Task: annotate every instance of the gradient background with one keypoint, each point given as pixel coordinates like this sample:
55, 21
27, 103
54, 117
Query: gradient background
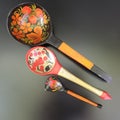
90, 27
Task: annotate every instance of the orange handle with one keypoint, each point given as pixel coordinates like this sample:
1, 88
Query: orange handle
75, 55
82, 98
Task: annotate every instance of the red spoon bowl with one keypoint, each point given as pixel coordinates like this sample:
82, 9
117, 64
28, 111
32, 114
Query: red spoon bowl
41, 60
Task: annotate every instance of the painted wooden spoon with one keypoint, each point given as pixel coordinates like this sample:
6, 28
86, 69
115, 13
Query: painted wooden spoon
43, 61
53, 84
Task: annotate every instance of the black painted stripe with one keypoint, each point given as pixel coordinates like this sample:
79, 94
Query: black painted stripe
100, 73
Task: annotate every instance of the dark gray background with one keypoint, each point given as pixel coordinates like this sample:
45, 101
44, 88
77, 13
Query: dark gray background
90, 27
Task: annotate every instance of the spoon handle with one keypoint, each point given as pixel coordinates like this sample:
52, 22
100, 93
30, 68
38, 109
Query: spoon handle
69, 76
66, 49
75, 55
83, 99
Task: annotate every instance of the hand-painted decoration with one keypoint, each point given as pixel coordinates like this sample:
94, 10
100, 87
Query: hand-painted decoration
29, 24
41, 60
53, 84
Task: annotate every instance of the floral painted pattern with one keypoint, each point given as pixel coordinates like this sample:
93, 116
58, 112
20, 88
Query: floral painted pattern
29, 24
53, 84
40, 60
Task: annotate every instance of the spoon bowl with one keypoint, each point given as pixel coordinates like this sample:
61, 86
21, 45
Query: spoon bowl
29, 23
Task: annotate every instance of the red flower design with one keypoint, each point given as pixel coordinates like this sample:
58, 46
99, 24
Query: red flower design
40, 61
38, 12
45, 58
18, 34
41, 68
32, 19
43, 52
26, 10
53, 84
